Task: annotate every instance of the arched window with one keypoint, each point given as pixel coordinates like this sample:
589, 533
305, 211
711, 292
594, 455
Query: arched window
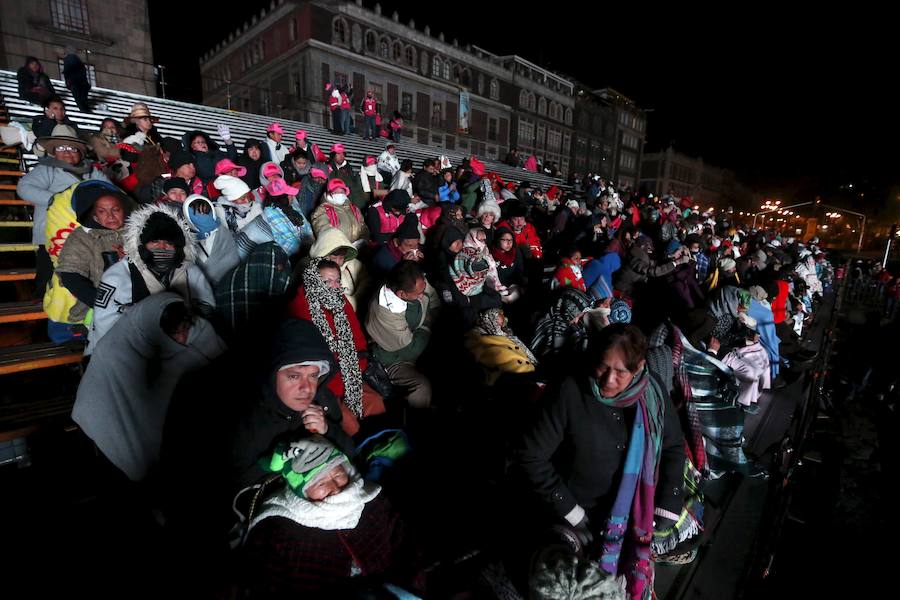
410, 57
568, 116
397, 51
384, 50
447, 70
495, 89
523, 99
437, 65
532, 102
339, 31
542, 106
371, 42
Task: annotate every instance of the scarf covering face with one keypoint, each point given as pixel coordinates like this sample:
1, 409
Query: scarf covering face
629, 529
340, 342
489, 324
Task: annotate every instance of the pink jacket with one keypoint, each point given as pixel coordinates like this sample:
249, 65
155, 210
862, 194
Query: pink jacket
751, 367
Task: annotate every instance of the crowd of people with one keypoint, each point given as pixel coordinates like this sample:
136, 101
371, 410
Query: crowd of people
284, 312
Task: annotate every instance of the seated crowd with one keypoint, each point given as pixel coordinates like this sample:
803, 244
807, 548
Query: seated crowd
286, 314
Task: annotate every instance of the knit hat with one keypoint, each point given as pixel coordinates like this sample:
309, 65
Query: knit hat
225, 165
274, 128
338, 149
619, 312
489, 207
337, 184
727, 264
173, 183
306, 461
515, 209
758, 293
317, 173
673, 247
300, 135
162, 226
279, 187
396, 200
408, 229
231, 187
179, 158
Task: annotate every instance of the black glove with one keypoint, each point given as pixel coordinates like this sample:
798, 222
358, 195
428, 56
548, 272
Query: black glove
583, 531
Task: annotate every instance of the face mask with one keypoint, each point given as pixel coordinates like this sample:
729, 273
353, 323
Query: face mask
338, 199
695, 252
162, 260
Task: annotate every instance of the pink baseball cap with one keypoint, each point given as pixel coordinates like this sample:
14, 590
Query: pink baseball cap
337, 184
301, 135
270, 170
370, 160
338, 148
225, 165
274, 128
279, 187
318, 173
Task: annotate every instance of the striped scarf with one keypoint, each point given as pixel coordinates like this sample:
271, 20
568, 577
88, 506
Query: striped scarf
629, 529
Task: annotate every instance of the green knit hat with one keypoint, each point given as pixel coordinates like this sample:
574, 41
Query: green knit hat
305, 461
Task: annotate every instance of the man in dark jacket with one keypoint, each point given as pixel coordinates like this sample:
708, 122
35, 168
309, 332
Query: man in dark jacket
207, 152
427, 182
639, 266
76, 75
54, 114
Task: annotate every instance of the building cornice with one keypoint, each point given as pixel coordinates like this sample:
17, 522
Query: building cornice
244, 34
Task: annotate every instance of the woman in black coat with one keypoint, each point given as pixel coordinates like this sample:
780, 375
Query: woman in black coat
606, 455
207, 152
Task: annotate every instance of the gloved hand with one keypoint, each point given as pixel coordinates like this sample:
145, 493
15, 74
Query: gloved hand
583, 531
224, 132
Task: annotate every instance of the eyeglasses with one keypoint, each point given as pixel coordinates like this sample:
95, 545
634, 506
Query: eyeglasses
66, 149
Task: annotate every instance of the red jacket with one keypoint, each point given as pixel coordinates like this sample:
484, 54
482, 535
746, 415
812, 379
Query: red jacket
370, 107
299, 309
528, 238
779, 303
334, 102
345, 102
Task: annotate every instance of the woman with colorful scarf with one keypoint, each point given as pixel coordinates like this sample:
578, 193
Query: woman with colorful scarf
606, 456
510, 263
321, 300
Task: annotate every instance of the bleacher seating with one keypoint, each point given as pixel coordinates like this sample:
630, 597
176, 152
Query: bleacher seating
176, 118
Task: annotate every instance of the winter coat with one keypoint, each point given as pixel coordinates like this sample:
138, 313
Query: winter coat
445, 194
27, 80
573, 452
345, 217
124, 395
527, 239
389, 163
217, 253
129, 281
82, 257
403, 181
206, 161
426, 186
639, 268
346, 173
497, 354
266, 420
401, 330
47, 178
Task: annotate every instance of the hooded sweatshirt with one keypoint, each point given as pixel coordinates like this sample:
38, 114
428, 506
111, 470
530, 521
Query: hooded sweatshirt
354, 279
266, 420
124, 395
216, 250
130, 281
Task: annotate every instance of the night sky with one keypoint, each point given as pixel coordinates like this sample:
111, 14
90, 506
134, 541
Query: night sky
796, 104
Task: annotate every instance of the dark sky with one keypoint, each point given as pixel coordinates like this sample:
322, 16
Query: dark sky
795, 103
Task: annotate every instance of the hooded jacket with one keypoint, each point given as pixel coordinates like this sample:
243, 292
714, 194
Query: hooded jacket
27, 79
130, 281
81, 261
217, 253
266, 420
354, 279
124, 395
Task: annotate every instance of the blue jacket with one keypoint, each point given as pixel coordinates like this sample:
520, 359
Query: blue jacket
446, 195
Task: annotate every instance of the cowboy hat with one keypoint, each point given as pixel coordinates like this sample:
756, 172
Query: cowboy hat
62, 135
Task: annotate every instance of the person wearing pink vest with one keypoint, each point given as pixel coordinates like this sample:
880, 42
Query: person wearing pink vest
370, 110
337, 212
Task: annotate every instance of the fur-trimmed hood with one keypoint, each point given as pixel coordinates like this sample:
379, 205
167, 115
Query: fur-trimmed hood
135, 224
